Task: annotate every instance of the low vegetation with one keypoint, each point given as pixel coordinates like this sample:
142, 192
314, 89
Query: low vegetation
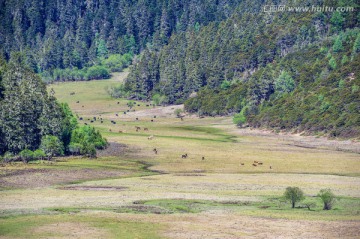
101, 70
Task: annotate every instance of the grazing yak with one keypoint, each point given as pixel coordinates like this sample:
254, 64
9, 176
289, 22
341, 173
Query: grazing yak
184, 156
150, 137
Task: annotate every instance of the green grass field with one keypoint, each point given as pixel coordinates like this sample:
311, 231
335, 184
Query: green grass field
131, 192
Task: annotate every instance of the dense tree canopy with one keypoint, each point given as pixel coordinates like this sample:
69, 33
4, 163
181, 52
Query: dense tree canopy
68, 34
31, 119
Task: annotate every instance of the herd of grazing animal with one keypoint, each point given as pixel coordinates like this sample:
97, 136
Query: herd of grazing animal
256, 163
137, 128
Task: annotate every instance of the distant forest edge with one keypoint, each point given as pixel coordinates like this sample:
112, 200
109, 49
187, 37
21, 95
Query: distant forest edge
295, 71
33, 125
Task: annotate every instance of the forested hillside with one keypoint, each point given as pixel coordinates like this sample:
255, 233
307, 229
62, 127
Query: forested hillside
68, 34
285, 70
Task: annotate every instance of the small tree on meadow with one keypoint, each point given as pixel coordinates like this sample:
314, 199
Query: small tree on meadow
130, 104
327, 197
294, 195
178, 112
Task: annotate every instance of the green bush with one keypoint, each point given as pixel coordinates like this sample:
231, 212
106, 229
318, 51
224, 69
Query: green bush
52, 146
327, 197
74, 148
85, 140
117, 91
239, 119
8, 157
39, 154
97, 72
26, 155
158, 99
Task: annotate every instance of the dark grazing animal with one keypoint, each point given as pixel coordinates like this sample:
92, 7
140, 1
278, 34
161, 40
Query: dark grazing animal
184, 156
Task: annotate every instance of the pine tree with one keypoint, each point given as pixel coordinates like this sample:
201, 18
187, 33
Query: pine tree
22, 106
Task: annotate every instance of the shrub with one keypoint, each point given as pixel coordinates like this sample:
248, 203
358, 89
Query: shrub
97, 72
239, 119
327, 197
74, 148
8, 157
85, 140
158, 99
39, 154
130, 104
52, 146
117, 91
88, 150
178, 112
26, 155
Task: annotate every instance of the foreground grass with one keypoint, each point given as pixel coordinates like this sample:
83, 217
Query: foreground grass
79, 226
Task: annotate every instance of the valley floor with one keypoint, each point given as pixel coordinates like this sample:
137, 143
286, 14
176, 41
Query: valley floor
130, 191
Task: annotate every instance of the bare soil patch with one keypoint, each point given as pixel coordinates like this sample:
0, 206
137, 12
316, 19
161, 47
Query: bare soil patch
298, 140
114, 149
70, 230
35, 178
231, 226
93, 188
158, 111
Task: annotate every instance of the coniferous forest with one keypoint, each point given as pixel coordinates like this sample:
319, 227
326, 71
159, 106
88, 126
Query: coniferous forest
295, 71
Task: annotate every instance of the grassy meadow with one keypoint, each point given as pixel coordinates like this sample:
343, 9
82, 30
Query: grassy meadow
130, 191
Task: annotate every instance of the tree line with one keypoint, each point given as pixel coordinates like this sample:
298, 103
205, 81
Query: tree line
64, 34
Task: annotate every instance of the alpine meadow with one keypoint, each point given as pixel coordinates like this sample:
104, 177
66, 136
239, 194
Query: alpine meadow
179, 119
